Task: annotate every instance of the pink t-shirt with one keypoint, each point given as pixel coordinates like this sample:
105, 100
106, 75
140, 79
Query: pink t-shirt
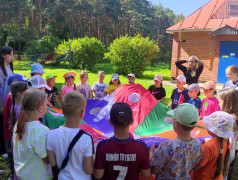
209, 105
66, 89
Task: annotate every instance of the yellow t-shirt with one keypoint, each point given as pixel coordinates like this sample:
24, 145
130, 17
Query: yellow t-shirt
111, 88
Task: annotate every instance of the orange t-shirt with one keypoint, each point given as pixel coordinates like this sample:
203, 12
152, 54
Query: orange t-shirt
210, 153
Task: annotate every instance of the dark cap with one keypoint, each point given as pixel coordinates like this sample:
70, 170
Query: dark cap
121, 113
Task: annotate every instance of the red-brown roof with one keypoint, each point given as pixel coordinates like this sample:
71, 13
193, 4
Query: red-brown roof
211, 16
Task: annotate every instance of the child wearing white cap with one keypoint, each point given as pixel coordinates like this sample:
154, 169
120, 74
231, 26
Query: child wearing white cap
157, 89
180, 94
193, 91
113, 84
131, 78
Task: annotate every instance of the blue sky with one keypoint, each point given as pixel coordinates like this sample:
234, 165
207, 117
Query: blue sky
186, 7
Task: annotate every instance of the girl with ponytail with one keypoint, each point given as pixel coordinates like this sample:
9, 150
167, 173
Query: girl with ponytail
17, 90
29, 138
216, 151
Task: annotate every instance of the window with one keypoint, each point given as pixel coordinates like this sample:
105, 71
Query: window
233, 9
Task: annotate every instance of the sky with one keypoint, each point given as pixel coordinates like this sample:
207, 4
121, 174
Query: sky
186, 7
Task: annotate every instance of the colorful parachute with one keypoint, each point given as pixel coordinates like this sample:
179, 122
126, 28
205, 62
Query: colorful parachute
148, 116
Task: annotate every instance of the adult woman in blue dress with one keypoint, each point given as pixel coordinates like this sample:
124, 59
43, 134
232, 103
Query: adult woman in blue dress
6, 58
193, 71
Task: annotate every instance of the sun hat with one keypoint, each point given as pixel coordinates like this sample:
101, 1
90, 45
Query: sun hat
209, 85
193, 87
115, 76
37, 68
131, 75
49, 76
158, 77
16, 77
37, 82
181, 78
121, 113
185, 114
68, 74
220, 123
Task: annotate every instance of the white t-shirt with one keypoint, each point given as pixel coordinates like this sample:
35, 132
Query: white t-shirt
84, 89
29, 151
100, 89
58, 142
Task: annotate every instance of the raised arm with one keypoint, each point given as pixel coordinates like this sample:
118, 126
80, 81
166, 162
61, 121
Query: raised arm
180, 66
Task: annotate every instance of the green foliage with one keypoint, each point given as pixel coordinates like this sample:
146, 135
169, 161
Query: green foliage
163, 57
132, 54
44, 45
85, 52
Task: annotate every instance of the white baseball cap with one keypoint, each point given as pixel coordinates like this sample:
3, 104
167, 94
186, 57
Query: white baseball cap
181, 78
193, 87
37, 82
131, 75
158, 77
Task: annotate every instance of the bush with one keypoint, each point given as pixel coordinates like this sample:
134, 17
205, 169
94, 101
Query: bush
132, 54
85, 52
42, 46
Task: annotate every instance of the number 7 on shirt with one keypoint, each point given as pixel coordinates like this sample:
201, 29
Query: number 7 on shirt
123, 171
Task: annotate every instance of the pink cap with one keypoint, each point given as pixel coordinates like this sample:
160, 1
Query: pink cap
158, 77
209, 85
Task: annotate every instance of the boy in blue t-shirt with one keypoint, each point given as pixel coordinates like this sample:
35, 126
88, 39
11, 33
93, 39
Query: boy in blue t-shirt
193, 91
180, 94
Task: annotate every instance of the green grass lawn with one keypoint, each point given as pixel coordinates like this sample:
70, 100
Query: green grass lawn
146, 81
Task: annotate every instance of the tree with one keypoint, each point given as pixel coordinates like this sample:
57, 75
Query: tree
132, 54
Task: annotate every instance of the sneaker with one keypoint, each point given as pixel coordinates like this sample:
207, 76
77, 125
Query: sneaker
5, 156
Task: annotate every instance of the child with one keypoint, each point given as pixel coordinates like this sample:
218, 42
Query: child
121, 156
228, 99
38, 82
83, 87
29, 138
180, 94
17, 90
215, 152
232, 75
131, 78
99, 88
80, 163
113, 84
193, 91
36, 69
70, 85
52, 94
174, 159
6, 59
210, 104
157, 89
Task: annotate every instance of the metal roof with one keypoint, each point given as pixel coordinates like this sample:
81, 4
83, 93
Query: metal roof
226, 30
211, 16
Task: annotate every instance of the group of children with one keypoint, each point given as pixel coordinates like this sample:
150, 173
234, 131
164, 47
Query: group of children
69, 152
99, 89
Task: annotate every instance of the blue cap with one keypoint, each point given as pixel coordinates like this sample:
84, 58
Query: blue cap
16, 77
115, 76
37, 68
